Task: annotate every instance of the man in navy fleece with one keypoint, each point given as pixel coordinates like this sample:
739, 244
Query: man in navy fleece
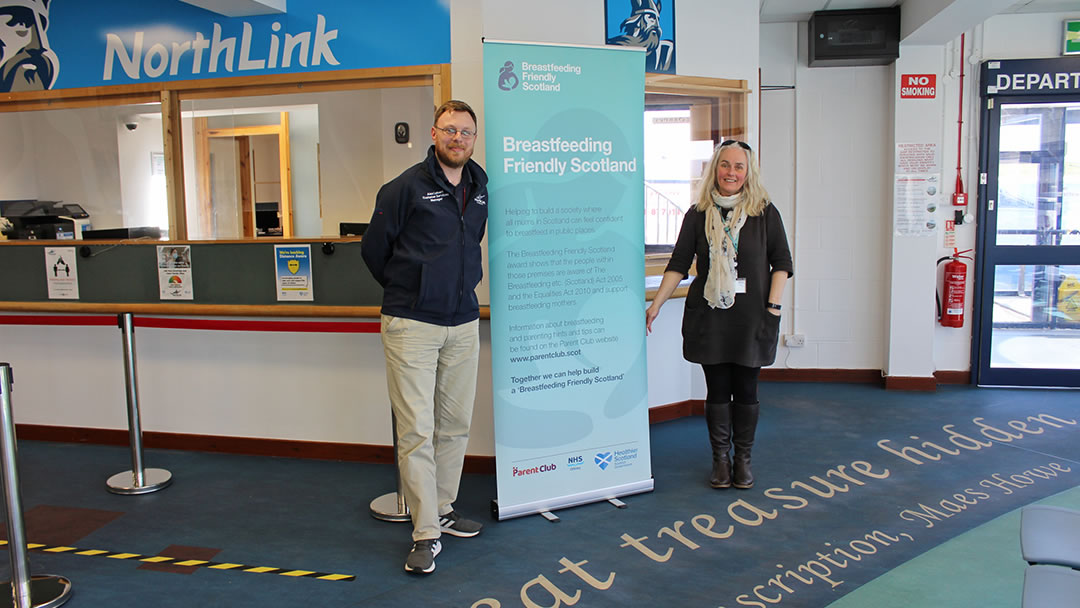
423, 247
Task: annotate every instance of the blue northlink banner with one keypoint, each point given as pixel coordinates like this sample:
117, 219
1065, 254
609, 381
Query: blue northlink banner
79, 43
564, 145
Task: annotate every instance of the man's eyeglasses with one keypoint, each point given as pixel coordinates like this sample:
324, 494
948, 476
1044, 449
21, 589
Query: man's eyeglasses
742, 144
451, 132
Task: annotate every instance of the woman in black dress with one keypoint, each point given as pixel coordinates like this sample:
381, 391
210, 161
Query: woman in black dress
731, 318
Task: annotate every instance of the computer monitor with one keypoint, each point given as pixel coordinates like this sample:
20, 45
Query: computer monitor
267, 221
352, 228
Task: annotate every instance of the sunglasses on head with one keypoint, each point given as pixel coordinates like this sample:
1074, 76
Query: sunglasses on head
742, 144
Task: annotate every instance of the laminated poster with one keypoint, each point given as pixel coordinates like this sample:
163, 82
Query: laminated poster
174, 272
61, 274
293, 268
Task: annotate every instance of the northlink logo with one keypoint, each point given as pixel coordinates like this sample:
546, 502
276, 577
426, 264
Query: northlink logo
603, 460
508, 80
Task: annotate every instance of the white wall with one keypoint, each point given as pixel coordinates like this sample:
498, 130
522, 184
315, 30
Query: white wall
143, 195
18, 173
415, 108
825, 155
912, 261
283, 385
1022, 36
353, 134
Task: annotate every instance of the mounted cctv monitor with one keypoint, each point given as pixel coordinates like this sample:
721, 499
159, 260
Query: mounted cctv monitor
854, 37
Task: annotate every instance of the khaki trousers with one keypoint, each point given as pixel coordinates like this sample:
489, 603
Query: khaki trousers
431, 377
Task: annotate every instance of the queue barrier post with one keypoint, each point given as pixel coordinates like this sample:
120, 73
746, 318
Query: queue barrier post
138, 480
42, 591
391, 506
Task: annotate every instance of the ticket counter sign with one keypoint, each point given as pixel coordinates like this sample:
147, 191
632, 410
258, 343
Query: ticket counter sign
292, 264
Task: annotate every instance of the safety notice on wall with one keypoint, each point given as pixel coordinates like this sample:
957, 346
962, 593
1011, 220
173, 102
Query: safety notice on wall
918, 86
292, 264
174, 272
62, 276
917, 158
916, 199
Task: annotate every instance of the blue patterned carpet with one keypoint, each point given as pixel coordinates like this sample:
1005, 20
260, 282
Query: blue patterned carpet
853, 484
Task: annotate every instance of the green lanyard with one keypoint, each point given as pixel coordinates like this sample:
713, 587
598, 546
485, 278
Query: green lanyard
727, 229
734, 241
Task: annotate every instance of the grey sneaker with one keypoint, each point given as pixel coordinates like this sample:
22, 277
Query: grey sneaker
455, 525
421, 559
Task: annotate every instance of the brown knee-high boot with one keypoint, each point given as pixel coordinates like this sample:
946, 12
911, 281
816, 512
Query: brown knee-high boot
718, 420
744, 419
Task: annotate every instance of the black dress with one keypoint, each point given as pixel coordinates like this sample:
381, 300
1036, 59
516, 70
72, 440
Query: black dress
746, 333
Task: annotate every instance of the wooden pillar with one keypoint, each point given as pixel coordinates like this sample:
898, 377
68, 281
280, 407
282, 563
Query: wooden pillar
174, 164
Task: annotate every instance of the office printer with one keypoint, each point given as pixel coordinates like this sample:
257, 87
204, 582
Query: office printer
33, 219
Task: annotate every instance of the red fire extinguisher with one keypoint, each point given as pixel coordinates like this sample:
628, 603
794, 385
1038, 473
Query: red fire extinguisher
951, 311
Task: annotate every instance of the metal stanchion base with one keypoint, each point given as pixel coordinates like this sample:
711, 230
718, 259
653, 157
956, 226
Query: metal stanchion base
153, 480
46, 591
389, 507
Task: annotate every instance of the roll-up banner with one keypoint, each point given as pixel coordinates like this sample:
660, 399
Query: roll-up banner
564, 133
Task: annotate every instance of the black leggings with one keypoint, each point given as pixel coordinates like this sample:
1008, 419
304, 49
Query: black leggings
728, 382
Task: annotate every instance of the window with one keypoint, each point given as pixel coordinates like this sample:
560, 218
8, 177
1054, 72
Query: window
248, 158
685, 118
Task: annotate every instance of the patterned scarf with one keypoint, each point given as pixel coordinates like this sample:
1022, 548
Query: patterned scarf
723, 236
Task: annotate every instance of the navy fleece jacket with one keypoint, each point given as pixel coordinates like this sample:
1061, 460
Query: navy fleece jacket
423, 243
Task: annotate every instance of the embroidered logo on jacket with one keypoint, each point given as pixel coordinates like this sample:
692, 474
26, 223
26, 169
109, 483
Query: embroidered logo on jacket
435, 196
481, 199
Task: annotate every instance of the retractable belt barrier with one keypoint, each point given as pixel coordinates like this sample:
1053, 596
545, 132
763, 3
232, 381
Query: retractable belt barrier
138, 480
42, 591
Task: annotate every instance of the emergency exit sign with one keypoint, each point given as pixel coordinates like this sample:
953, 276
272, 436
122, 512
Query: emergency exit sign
918, 86
1072, 38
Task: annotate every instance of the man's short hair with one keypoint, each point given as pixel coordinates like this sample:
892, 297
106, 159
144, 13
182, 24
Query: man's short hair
453, 106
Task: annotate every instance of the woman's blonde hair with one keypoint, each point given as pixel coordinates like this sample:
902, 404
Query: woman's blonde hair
753, 195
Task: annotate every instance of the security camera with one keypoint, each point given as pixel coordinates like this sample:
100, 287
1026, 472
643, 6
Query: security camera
131, 125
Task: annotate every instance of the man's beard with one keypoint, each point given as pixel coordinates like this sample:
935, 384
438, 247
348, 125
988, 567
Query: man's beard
14, 77
450, 162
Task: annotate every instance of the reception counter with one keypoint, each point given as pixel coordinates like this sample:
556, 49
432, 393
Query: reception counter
233, 369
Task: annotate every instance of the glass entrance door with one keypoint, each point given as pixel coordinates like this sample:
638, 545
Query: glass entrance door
1029, 319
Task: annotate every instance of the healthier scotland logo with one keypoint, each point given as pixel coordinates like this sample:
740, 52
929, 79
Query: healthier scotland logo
603, 460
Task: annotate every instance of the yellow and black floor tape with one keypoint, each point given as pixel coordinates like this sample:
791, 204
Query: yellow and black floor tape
199, 563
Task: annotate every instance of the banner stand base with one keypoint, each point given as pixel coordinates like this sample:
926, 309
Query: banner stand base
546, 507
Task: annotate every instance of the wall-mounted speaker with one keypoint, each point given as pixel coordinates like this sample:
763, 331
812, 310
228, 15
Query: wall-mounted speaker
854, 37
